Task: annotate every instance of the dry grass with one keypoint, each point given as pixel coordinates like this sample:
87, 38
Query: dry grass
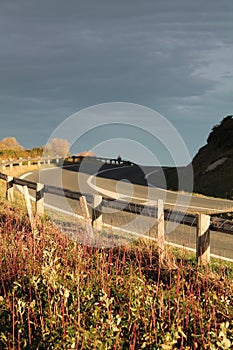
58, 294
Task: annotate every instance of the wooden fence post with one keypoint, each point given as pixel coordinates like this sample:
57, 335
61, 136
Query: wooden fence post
84, 207
10, 188
3, 165
96, 212
28, 205
160, 226
203, 239
39, 199
86, 216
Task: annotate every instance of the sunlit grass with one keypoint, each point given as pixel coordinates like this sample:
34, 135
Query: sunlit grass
59, 293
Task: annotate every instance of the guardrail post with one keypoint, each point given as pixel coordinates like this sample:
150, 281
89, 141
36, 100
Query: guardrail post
10, 188
28, 205
160, 227
86, 216
38, 163
29, 162
39, 199
57, 160
3, 165
11, 164
203, 239
84, 207
96, 212
20, 162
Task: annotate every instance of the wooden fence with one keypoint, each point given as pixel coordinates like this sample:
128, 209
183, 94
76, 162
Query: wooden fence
203, 223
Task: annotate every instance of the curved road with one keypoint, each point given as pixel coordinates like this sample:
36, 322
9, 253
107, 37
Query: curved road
70, 178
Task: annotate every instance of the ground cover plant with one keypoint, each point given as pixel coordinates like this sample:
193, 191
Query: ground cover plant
58, 294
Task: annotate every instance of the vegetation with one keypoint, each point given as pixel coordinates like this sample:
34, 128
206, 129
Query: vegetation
86, 154
9, 154
212, 165
58, 294
11, 149
55, 146
10, 143
219, 148
221, 134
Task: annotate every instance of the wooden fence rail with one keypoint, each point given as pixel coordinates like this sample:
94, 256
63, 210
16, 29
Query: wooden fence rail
202, 222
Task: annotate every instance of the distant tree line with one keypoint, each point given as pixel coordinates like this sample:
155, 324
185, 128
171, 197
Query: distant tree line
11, 149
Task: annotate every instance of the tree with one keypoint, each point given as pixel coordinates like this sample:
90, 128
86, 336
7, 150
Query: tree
57, 147
10, 143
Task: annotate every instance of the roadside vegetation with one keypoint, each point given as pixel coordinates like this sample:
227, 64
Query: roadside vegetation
11, 149
213, 164
58, 294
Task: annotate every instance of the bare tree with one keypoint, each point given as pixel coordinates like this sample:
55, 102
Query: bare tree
60, 147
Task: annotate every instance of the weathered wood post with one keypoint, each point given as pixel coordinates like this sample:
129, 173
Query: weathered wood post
29, 161
39, 199
96, 212
160, 228
10, 188
86, 216
84, 207
203, 239
29, 206
20, 161
3, 165
11, 164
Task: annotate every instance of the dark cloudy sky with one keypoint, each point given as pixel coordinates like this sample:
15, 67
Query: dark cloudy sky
57, 57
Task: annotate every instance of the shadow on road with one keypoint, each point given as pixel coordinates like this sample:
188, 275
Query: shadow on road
132, 173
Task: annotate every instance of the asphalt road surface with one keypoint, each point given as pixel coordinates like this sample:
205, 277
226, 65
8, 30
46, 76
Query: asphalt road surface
71, 178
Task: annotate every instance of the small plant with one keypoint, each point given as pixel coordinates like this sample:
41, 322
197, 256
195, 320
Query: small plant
56, 293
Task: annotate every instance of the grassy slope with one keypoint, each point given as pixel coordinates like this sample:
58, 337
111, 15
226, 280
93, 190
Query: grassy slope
217, 182
58, 294
9, 154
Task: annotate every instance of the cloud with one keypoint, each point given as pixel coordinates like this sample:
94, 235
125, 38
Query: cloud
57, 57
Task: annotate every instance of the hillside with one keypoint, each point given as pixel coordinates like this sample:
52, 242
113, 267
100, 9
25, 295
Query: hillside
213, 164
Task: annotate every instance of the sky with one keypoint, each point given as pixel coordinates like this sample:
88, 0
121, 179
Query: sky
58, 57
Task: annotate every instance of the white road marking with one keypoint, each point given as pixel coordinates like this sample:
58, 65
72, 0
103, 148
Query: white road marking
122, 229
25, 175
116, 195
122, 196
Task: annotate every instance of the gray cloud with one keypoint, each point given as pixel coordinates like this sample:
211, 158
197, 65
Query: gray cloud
57, 57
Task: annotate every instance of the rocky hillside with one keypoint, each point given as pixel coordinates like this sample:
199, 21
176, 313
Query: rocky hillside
213, 164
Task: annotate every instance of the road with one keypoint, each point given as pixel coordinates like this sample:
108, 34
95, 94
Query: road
70, 178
